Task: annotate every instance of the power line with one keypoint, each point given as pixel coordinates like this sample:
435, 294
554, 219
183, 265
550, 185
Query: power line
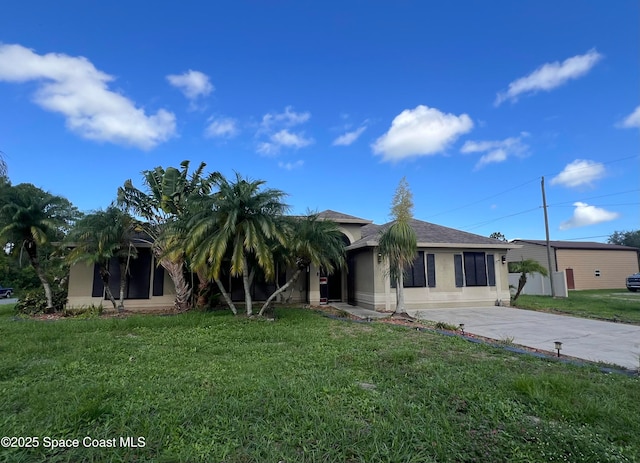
481, 224
596, 197
536, 179
482, 200
577, 169
601, 205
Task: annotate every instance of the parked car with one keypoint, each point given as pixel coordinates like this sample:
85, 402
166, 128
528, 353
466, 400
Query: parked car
633, 282
6, 292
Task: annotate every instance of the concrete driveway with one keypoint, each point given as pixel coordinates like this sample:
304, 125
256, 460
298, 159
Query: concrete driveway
593, 340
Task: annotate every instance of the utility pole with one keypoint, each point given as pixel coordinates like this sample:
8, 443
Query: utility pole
546, 228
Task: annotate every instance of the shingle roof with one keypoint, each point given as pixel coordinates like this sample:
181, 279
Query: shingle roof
580, 245
342, 218
432, 235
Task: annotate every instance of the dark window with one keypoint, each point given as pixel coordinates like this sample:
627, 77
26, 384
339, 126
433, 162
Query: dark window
457, 262
139, 275
158, 281
137, 281
98, 287
414, 276
491, 269
475, 269
431, 270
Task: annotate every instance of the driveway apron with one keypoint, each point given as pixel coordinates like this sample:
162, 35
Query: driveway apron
593, 340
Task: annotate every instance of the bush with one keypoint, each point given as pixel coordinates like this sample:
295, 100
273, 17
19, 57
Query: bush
34, 302
85, 311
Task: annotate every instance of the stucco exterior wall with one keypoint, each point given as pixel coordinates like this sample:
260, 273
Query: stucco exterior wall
365, 263
351, 231
445, 293
81, 285
613, 266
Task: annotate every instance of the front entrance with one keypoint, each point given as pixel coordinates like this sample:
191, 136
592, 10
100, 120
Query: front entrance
334, 283
330, 286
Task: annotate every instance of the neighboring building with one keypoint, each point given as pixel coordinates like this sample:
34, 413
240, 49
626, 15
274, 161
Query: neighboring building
452, 269
587, 265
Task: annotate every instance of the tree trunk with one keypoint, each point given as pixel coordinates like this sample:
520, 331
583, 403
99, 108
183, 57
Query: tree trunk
226, 296
246, 282
521, 282
400, 294
174, 269
123, 284
203, 285
104, 276
32, 252
280, 290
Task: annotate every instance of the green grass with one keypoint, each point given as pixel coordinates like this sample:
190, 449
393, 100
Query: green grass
202, 387
606, 304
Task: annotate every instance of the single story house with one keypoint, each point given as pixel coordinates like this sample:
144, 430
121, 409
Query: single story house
587, 265
452, 268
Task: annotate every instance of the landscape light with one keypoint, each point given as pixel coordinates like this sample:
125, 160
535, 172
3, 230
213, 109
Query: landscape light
558, 347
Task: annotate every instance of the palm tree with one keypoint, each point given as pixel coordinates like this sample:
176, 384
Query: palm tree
309, 240
30, 218
525, 267
3, 166
242, 220
398, 242
165, 201
98, 237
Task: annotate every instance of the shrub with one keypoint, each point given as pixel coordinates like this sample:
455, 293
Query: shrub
445, 326
84, 311
34, 302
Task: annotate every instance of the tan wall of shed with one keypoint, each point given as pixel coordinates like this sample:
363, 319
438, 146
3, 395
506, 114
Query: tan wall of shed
532, 251
614, 266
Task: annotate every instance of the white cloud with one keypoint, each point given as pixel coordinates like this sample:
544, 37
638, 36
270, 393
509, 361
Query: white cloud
73, 87
580, 172
291, 165
224, 127
275, 127
496, 151
193, 84
283, 138
585, 215
288, 118
348, 138
420, 132
550, 75
632, 120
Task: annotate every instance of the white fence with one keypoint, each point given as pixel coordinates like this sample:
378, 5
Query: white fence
537, 285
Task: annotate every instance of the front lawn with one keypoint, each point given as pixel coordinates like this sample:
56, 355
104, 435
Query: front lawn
202, 387
617, 305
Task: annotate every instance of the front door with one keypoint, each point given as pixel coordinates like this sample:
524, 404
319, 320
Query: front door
334, 284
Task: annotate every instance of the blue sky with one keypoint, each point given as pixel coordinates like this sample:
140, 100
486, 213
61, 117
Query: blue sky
334, 102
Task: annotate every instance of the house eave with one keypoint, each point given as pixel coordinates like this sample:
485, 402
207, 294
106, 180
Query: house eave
422, 245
